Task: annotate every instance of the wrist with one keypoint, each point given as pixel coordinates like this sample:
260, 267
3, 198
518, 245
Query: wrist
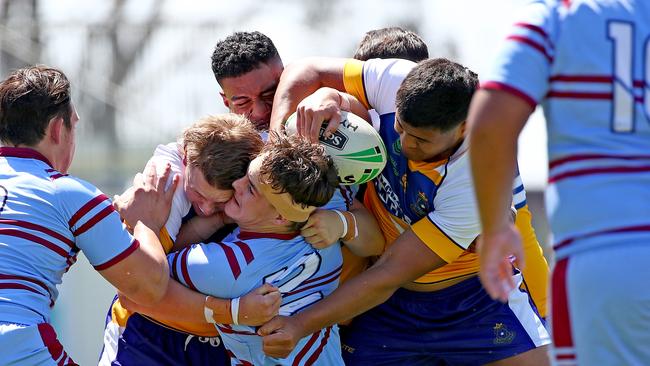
353, 230
344, 103
344, 222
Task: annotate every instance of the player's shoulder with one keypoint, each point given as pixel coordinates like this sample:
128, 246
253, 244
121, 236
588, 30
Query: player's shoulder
74, 191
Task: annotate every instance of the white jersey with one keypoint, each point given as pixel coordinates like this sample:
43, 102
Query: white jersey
587, 64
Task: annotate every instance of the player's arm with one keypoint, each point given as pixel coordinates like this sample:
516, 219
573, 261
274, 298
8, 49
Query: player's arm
198, 229
495, 120
362, 233
141, 272
407, 259
181, 304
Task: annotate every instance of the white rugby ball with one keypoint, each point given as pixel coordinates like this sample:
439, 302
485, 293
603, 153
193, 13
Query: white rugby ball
356, 148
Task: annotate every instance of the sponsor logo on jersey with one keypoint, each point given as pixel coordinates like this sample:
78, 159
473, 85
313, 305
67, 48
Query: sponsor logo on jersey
421, 205
389, 198
3, 197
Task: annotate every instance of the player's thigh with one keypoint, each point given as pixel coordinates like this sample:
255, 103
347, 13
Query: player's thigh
535, 357
609, 305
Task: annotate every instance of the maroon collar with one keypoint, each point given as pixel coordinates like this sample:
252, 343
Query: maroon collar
23, 152
244, 235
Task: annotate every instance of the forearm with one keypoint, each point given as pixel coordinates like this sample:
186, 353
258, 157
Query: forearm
301, 79
197, 230
354, 297
180, 304
370, 240
493, 153
157, 273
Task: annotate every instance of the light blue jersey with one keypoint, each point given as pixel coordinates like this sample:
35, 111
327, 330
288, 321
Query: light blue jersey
46, 218
588, 64
234, 268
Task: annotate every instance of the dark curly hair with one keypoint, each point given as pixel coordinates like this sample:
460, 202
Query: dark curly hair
298, 167
240, 53
29, 98
436, 93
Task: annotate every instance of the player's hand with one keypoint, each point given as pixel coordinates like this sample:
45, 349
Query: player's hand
495, 253
322, 106
323, 228
147, 200
281, 335
260, 305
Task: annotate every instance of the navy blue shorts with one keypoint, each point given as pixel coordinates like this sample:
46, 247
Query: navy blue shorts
459, 325
145, 342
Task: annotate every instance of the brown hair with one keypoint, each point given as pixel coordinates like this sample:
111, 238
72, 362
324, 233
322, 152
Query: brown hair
221, 147
29, 98
300, 168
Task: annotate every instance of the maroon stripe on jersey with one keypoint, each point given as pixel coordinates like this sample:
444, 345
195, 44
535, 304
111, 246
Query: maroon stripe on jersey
246, 250
627, 229
302, 289
581, 78
232, 260
94, 220
532, 44
23, 152
567, 159
240, 362
18, 286
118, 258
537, 30
562, 334
323, 276
35, 239
86, 208
228, 329
184, 271
323, 342
305, 349
578, 95
592, 171
245, 235
43, 229
494, 85
57, 176
27, 279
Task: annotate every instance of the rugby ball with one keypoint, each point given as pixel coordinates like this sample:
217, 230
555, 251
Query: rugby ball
356, 148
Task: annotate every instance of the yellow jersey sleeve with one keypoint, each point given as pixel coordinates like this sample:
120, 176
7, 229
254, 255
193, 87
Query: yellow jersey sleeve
166, 240
437, 240
353, 81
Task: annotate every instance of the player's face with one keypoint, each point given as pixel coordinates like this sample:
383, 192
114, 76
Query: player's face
252, 94
205, 198
68, 141
248, 207
427, 144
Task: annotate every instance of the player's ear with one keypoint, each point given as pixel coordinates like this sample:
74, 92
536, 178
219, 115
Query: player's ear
54, 129
462, 129
225, 100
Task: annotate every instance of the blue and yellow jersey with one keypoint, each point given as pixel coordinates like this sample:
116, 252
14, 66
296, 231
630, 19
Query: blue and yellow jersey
434, 199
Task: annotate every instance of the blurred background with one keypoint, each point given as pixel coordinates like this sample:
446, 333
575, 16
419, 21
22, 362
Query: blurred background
140, 70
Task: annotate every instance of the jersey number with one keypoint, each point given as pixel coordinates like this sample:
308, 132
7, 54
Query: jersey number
290, 278
622, 36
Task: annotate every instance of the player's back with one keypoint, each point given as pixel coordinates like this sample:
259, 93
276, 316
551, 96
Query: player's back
598, 108
587, 63
232, 269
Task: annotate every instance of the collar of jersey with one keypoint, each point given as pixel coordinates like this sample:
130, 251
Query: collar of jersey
23, 152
